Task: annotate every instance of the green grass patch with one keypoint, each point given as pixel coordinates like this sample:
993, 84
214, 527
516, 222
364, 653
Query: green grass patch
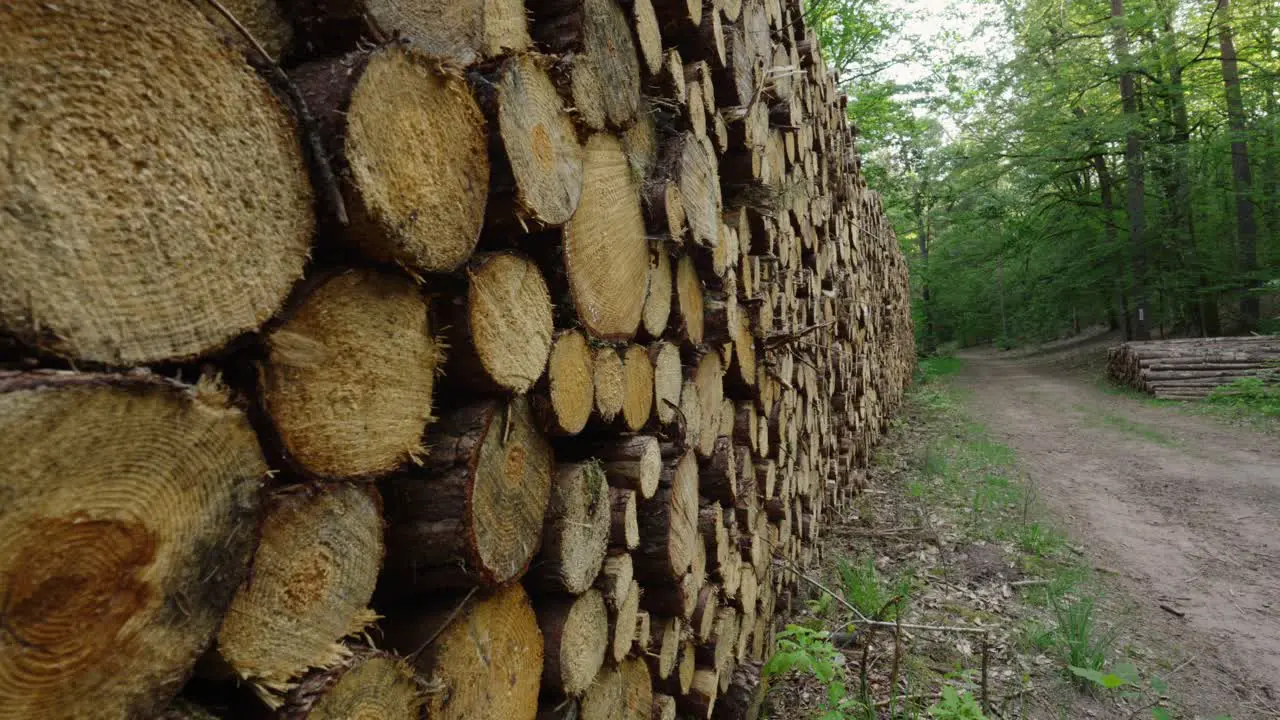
939, 366
1129, 427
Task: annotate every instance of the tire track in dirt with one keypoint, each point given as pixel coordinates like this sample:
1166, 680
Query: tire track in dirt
1185, 511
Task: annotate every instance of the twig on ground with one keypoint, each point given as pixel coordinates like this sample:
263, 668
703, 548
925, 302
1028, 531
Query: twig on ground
1172, 610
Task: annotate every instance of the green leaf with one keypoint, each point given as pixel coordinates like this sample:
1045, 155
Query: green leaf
1159, 713
1159, 685
1093, 676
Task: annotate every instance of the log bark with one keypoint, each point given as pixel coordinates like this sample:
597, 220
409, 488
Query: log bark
669, 523
474, 512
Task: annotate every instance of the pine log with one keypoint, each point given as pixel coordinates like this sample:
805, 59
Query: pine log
704, 614
614, 580
126, 496
474, 512
314, 572
465, 31
410, 145
700, 701
622, 623
638, 389
623, 692
664, 707
708, 377
644, 21
265, 21
606, 256
349, 374
745, 695
641, 644
664, 644
599, 36
624, 527
669, 523
188, 253
479, 657
366, 684
539, 176
575, 637
566, 392
658, 293
632, 462
690, 162
668, 380
609, 378
718, 475
501, 330
690, 301
678, 598
576, 531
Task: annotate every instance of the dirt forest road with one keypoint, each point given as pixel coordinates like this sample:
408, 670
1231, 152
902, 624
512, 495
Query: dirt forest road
1176, 510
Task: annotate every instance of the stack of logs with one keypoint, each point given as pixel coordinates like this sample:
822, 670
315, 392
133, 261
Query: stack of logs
1191, 368
380, 357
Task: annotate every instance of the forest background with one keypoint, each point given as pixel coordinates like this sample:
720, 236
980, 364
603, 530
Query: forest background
1055, 164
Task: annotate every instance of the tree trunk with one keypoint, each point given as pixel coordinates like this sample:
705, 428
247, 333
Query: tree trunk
1241, 176
1134, 167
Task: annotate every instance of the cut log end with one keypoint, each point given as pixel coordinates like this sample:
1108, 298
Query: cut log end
606, 255
313, 575
349, 375
414, 151
575, 634
127, 499
480, 661
508, 324
368, 684
474, 512
577, 530
188, 253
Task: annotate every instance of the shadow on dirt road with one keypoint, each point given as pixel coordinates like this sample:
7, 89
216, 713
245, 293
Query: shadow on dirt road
1183, 511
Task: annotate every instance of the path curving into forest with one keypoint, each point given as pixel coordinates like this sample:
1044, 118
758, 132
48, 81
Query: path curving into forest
1178, 510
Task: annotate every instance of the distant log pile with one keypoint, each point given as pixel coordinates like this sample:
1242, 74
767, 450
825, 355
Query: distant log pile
481, 359
1189, 369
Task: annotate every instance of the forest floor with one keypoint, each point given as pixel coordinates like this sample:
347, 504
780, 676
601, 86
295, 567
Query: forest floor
1120, 557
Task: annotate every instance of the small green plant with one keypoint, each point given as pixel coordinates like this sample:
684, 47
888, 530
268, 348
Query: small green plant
956, 705
1036, 539
1075, 636
805, 650
867, 591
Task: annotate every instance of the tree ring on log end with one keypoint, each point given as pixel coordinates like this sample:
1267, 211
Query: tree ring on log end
416, 149
313, 576
157, 199
129, 510
540, 142
349, 375
606, 255
509, 317
368, 686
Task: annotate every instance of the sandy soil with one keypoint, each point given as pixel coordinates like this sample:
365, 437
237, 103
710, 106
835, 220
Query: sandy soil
1177, 510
